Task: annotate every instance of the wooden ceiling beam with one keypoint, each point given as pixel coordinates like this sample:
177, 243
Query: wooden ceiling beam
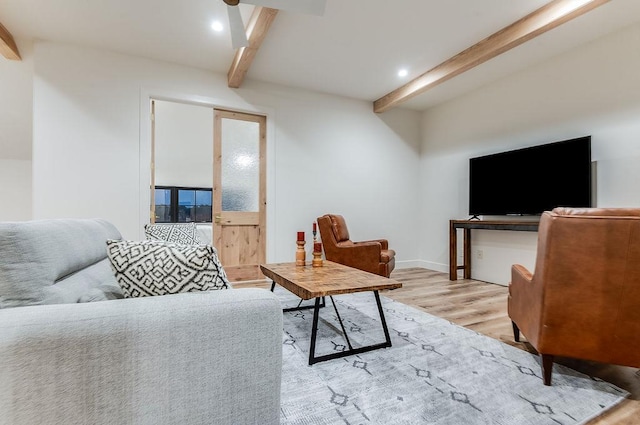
549, 16
257, 29
8, 47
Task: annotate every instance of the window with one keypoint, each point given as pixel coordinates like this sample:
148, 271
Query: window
183, 204
163, 205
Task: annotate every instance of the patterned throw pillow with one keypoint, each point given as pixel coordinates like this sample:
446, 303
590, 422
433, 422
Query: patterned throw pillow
183, 233
149, 268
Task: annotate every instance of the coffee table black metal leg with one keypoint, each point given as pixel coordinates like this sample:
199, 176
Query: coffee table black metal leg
314, 330
384, 321
344, 331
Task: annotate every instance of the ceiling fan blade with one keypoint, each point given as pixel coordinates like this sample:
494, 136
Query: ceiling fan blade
236, 27
311, 7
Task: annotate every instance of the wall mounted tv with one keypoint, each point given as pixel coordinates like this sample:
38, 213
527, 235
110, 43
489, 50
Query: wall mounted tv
531, 180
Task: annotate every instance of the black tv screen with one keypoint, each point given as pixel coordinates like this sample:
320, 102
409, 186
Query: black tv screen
531, 180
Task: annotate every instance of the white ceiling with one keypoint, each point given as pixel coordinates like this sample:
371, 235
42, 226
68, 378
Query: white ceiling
354, 50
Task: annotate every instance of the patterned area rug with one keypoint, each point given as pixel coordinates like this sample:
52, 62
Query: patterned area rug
435, 373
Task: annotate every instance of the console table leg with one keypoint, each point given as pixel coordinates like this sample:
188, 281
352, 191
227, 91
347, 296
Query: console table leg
453, 252
467, 253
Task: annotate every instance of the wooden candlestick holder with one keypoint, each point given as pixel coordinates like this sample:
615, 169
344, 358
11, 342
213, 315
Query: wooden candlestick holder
300, 253
317, 259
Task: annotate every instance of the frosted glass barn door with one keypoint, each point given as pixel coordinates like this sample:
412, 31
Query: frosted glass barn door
239, 192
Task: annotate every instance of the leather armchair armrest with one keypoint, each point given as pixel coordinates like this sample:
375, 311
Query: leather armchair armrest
363, 256
521, 287
520, 274
384, 244
525, 302
370, 249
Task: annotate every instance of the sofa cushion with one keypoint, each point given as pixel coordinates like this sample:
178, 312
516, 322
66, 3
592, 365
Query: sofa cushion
53, 261
182, 233
103, 292
147, 268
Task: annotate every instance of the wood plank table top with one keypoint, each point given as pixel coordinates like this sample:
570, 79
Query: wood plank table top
309, 282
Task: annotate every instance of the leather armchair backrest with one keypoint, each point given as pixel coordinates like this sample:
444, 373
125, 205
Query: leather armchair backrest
598, 212
589, 266
327, 235
339, 228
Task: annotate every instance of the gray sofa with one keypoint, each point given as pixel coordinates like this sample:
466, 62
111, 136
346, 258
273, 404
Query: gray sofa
197, 358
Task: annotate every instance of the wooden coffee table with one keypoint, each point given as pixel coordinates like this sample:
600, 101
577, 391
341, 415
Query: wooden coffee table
309, 282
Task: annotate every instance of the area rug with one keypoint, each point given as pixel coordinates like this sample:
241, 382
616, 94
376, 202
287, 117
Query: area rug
435, 373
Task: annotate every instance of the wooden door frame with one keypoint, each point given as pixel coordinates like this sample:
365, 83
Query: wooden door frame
152, 187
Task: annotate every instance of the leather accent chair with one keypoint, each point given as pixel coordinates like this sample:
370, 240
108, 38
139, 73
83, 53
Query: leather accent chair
583, 299
371, 256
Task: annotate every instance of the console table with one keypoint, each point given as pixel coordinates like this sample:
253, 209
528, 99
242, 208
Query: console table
466, 226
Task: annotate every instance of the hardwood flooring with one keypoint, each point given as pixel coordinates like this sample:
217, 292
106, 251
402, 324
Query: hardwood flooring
482, 307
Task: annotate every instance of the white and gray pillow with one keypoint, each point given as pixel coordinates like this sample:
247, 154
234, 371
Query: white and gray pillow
182, 233
148, 268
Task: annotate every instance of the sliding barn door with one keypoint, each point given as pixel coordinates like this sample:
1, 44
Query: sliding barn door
239, 192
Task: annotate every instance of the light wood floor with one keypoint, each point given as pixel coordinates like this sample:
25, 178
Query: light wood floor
482, 307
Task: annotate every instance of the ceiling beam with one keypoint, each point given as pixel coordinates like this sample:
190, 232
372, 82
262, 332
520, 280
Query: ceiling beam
8, 47
549, 16
257, 29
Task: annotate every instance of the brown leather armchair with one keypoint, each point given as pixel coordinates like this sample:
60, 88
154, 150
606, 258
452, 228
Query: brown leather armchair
583, 299
370, 256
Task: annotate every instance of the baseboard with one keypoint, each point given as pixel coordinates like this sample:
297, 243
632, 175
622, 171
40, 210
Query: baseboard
444, 268
439, 267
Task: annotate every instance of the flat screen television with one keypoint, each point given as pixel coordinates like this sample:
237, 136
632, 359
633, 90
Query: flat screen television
532, 180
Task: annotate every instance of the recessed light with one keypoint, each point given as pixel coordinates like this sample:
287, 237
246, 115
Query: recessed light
403, 73
217, 26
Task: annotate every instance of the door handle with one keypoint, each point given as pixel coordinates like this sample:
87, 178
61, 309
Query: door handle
218, 218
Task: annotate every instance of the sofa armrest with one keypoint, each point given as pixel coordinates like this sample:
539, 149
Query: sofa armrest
208, 357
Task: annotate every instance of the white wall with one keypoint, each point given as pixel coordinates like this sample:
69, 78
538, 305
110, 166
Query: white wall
15, 189
16, 102
592, 90
325, 153
618, 182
